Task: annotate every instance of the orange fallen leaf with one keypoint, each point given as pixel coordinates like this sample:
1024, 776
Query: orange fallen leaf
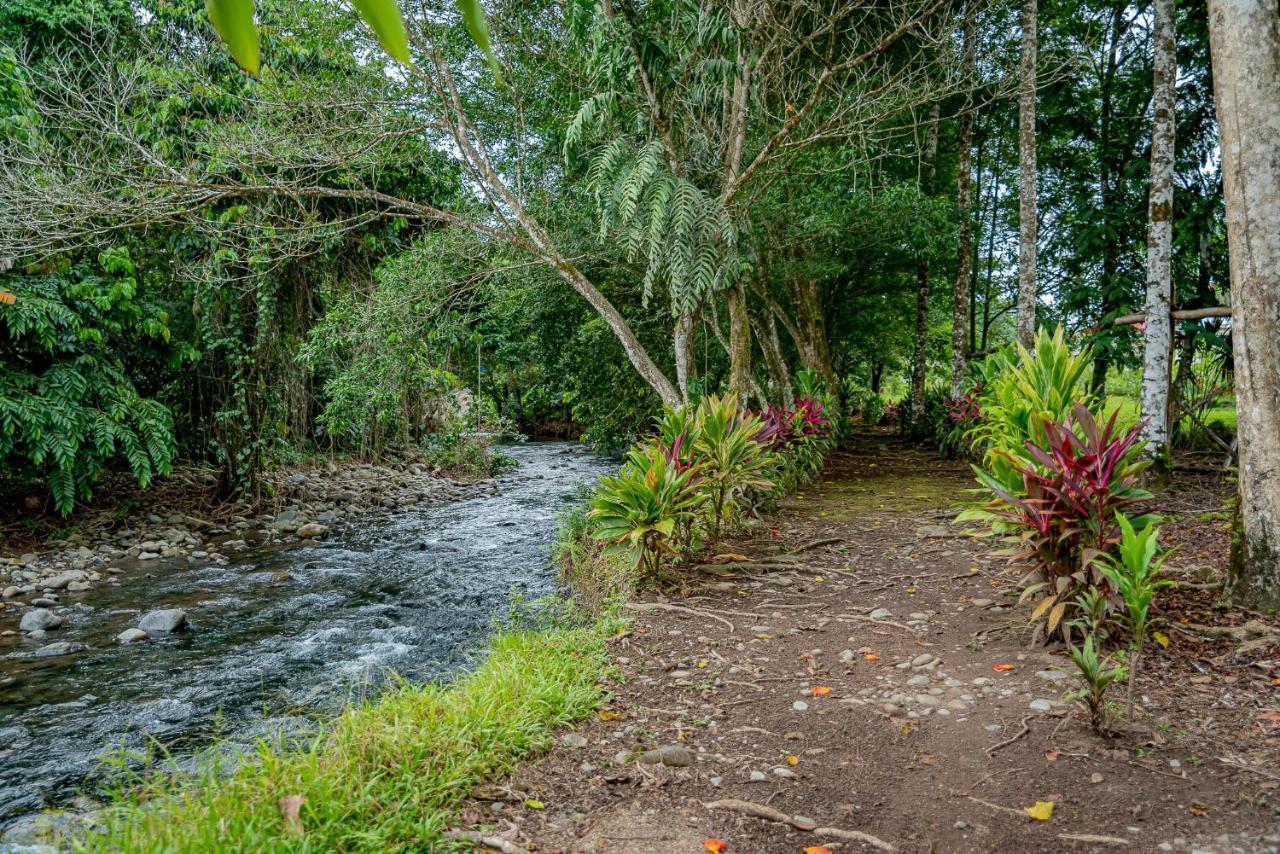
871, 656
1051, 755
817, 849
1198, 808
291, 810
821, 690
1003, 668
715, 846
1275, 681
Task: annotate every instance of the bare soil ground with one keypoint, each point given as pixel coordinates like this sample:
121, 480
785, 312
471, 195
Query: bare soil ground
920, 743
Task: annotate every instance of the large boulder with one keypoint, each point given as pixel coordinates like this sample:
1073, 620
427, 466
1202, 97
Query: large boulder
40, 619
163, 622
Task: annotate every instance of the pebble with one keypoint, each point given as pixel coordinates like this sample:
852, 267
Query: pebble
800, 706
881, 614
1052, 675
1041, 705
312, 531
758, 777
922, 659
784, 773
572, 739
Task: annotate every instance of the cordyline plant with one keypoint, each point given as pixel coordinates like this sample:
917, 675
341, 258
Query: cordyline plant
638, 511
1065, 514
731, 457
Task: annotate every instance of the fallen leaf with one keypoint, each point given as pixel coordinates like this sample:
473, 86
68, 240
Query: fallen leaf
819, 578
1274, 681
1205, 680
1095, 777
911, 590
291, 811
821, 690
702, 663
534, 804
727, 557
715, 846
817, 849
1051, 755
1198, 808
1161, 638
1004, 668
793, 760
761, 636
871, 656
1269, 715
1042, 811
606, 715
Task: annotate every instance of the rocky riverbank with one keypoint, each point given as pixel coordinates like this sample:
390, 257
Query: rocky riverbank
107, 547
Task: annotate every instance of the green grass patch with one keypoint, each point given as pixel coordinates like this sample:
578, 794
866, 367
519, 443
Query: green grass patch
387, 774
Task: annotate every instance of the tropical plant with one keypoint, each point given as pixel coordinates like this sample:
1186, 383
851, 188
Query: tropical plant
1065, 513
731, 458
68, 408
1098, 672
1020, 396
639, 510
1134, 571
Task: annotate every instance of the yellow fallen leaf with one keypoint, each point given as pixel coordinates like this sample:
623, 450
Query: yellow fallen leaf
702, 663
821, 690
606, 715
819, 578
1161, 638
535, 804
715, 846
761, 636
1042, 811
793, 760
911, 590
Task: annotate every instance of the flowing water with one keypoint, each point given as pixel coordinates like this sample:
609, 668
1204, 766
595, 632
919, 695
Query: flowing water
413, 593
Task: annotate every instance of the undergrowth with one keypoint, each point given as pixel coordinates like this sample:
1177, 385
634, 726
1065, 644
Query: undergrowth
386, 775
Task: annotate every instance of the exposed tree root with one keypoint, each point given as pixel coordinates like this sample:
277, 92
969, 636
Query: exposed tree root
768, 813
663, 606
489, 841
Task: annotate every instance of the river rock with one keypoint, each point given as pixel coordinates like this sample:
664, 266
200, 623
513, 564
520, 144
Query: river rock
60, 581
672, 755
129, 636
57, 648
40, 619
78, 586
312, 531
289, 520
11, 591
165, 621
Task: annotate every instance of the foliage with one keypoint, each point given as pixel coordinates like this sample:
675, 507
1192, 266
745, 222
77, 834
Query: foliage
731, 458
466, 454
67, 406
638, 510
1134, 571
1098, 672
1022, 392
1065, 513
422, 747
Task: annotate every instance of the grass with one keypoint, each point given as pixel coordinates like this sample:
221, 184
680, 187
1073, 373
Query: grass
1222, 415
386, 775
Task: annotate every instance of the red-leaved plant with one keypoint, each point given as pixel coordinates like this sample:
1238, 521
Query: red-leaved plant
1066, 517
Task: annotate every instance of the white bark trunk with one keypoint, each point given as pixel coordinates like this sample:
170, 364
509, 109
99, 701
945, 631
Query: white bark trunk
964, 183
1158, 335
1027, 178
1244, 38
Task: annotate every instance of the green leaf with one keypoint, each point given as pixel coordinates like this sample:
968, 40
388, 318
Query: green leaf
473, 17
383, 17
233, 19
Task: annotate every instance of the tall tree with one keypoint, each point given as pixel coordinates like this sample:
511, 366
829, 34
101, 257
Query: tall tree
920, 357
964, 183
1158, 334
1244, 37
1027, 288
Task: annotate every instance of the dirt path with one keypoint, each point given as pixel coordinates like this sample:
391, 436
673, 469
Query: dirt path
920, 743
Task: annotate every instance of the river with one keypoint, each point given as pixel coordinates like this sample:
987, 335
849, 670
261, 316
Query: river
413, 593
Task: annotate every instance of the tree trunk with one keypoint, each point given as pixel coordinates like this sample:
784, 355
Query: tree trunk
1244, 39
771, 346
1187, 355
682, 343
919, 361
1027, 178
1106, 182
964, 181
739, 344
1158, 334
